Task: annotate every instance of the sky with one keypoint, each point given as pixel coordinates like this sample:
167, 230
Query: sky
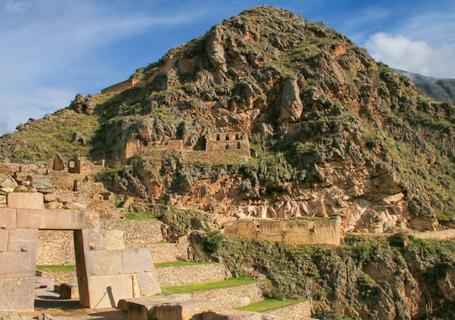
50, 50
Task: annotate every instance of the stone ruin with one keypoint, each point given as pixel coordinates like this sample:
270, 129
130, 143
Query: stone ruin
121, 86
302, 231
220, 147
106, 271
76, 165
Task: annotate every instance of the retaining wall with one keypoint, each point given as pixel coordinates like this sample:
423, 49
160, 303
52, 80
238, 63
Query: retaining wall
305, 231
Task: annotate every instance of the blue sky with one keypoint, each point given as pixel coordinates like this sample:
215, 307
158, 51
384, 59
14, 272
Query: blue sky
52, 49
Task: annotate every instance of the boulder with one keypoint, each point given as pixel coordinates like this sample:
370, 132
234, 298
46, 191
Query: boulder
290, 105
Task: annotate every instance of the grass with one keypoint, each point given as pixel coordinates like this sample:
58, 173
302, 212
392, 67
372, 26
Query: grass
270, 304
232, 282
60, 268
180, 264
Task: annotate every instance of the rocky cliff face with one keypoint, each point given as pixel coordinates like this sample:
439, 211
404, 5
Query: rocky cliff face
394, 278
332, 132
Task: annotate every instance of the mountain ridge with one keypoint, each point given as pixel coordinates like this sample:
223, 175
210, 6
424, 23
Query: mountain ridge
331, 130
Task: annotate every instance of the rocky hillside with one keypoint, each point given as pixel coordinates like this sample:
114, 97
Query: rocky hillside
438, 88
332, 132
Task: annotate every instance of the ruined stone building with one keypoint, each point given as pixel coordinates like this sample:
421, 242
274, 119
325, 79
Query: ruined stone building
121, 86
220, 147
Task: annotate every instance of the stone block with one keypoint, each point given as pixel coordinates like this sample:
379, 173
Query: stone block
114, 240
3, 240
106, 291
29, 218
148, 284
17, 294
182, 310
23, 240
103, 262
25, 200
17, 264
7, 218
44, 282
69, 291
94, 239
55, 219
98, 239
137, 260
230, 315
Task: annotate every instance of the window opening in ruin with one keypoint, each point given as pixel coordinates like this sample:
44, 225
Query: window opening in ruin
238, 145
218, 137
227, 147
237, 136
227, 137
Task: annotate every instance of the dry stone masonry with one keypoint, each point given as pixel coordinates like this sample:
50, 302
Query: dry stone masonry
220, 147
106, 271
303, 231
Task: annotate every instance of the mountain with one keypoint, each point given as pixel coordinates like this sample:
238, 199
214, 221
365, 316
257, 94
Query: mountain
440, 89
269, 115
331, 131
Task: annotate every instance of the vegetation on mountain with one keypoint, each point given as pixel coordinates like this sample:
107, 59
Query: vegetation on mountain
395, 278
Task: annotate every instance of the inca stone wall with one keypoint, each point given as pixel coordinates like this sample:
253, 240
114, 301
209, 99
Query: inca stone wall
308, 231
121, 86
174, 276
57, 247
221, 147
298, 311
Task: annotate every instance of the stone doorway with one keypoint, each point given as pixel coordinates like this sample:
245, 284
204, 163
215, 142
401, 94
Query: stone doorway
106, 271
56, 278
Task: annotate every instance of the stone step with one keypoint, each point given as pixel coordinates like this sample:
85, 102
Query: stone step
181, 273
217, 298
299, 309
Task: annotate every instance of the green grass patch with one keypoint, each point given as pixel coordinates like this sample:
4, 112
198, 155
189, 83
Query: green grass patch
180, 264
271, 304
60, 268
233, 282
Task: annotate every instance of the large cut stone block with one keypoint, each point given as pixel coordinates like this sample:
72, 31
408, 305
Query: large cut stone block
55, 219
183, 310
137, 260
17, 294
3, 240
25, 200
106, 291
98, 239
23, 240
114, 240
29, 218
103, 262
148, 284
144, 308
17, 264
69, 291
7, 218
231, 315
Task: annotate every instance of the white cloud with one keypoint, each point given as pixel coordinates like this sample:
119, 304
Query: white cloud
18, 107
49, 47
404, 53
